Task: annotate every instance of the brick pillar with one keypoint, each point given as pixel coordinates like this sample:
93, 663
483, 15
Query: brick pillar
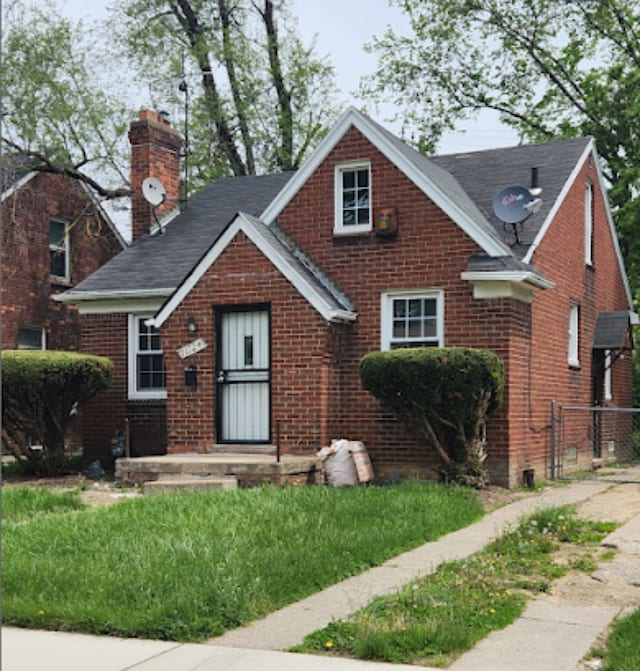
155, 152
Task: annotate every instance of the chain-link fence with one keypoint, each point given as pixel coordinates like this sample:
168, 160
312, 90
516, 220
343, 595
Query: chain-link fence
587, 435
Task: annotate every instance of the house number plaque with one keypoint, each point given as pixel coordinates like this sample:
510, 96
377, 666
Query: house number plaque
192, 348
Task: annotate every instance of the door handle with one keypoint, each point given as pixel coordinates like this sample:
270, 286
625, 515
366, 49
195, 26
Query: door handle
222, 377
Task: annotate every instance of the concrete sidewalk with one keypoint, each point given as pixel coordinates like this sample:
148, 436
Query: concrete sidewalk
550, 635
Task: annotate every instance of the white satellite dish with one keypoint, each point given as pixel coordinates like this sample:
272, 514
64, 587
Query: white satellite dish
153, 191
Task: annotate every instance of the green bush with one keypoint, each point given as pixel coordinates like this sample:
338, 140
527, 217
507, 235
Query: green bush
41, 390
444, 395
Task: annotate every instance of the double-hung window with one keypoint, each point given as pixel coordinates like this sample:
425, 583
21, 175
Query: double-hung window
59, 258
352, 198
574, 332
412, 319
147, 377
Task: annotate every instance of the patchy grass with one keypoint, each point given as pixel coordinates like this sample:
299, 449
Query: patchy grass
190, 566
433, 620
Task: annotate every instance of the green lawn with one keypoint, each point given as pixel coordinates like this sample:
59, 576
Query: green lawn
189, 566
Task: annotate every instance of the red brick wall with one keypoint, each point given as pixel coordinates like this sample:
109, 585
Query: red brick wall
301, 358
26, 284
110, 410
155, 152
597, 288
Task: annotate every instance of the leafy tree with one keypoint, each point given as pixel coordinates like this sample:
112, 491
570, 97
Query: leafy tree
41, 391
59, 111
258, 97
263, 98
443, 395
550, 69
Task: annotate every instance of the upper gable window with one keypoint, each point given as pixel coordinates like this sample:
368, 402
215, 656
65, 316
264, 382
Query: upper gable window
352, 198
59, 250
588, 224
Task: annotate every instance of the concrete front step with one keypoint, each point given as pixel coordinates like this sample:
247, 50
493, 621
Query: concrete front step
199, 484
248, 469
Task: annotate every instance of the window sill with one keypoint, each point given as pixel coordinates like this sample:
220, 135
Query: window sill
151, 396
60, 281
352, 233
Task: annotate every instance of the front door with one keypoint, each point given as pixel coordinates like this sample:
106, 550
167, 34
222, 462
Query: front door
243, 376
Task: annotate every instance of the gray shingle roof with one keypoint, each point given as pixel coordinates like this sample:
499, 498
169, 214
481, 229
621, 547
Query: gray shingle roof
163, 261
482, 174
611, 330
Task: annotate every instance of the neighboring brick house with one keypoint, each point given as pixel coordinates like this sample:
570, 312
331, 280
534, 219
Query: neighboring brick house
54, 235
245, 321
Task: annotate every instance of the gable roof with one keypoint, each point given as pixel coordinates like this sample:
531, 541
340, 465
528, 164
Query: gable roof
16, 171
160, 263
305, 277
437, 184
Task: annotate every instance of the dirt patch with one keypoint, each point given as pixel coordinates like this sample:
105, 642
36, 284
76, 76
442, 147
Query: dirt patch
92, 493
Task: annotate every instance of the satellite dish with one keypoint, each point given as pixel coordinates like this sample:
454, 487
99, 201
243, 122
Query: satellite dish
153, 191
514, 204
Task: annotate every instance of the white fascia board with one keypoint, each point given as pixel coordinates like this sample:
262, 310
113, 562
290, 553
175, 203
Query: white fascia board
113, 302
513, 277
298, 280
352, 117
18, 185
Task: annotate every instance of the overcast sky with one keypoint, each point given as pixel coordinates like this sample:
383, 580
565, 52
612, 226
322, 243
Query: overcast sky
342, 41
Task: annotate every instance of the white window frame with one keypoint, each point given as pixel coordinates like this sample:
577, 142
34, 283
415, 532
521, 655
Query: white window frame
339, 227
33, 329
386, 316
134, 392
608, 389
63, 246
588, 224
574, 335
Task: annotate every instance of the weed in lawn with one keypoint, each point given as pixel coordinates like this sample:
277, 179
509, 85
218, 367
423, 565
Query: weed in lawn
435, 619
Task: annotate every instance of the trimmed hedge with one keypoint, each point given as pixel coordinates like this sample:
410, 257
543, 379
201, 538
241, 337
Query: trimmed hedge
444, 395
41, 390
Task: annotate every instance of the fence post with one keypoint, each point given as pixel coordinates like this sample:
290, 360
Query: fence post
552, 470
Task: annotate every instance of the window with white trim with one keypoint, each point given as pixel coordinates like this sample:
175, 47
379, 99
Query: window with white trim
588, 224
412, 319
147, 376
608, 389
352, 198
31, 337
59, 263
574, 329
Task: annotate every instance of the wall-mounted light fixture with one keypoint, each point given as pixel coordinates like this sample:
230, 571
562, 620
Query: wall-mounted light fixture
192, 324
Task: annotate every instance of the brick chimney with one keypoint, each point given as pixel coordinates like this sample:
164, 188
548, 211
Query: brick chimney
155, 152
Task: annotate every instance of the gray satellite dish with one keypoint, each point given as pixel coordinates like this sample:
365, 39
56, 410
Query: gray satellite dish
153, 191
512, 205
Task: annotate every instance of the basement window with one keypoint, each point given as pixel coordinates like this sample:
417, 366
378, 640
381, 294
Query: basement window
31, 337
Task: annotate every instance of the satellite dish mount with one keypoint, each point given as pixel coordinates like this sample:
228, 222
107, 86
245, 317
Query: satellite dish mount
155, 194
513, 206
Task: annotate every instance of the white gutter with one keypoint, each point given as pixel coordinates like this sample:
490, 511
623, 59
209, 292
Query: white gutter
75, 297
517, 277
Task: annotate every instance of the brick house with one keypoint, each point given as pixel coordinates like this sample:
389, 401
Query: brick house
54, 235
244, 321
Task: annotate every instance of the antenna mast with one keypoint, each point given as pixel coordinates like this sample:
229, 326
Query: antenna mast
183, 87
